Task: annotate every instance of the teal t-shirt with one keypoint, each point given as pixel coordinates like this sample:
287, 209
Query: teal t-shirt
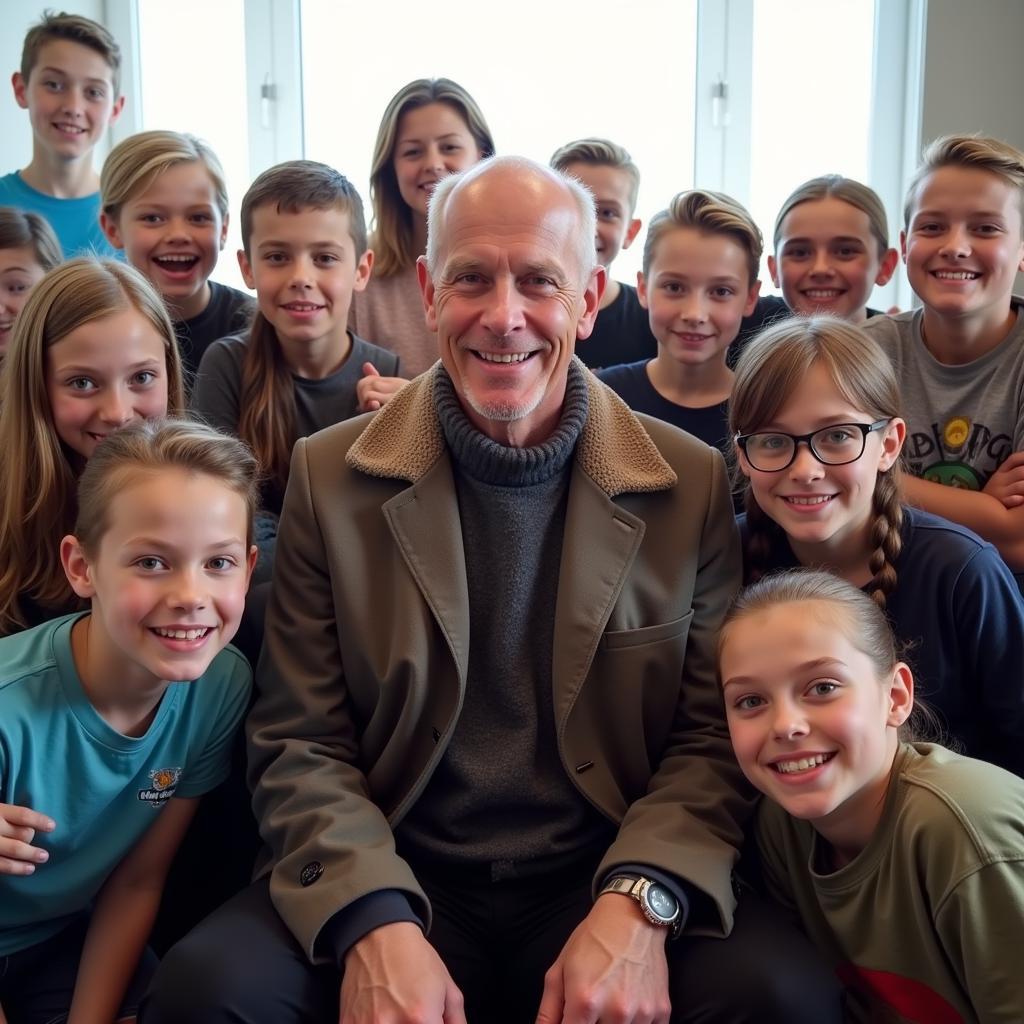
75, 222
103, 789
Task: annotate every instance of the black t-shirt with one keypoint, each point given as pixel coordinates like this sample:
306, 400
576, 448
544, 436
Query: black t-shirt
622, 333
770, 309
634, 387
228, 312
709, 423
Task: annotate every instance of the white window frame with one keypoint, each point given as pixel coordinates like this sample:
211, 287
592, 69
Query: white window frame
273, 40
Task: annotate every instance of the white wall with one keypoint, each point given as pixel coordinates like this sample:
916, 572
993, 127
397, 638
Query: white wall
17, 16
974, 73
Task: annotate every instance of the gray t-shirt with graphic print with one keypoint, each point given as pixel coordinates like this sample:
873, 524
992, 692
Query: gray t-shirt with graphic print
962, 421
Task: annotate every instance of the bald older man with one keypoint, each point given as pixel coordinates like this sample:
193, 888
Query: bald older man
489, 756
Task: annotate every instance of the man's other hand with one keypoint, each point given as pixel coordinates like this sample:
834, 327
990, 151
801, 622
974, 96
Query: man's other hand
394, 976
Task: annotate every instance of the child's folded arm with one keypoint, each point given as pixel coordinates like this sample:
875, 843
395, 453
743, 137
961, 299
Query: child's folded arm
1007, 482
123, 917
979, 511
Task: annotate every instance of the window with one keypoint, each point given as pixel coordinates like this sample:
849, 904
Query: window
544, 73
810, 99
749, 97
185, 46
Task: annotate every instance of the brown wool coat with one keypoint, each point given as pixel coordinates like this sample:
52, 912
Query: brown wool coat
367, 636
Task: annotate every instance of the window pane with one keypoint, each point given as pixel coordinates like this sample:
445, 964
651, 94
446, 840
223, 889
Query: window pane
175, 37
543, 74
811, 102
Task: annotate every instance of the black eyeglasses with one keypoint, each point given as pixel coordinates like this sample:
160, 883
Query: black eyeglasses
837, 445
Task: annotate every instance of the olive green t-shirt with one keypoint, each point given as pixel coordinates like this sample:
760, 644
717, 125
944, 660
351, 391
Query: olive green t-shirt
926, 924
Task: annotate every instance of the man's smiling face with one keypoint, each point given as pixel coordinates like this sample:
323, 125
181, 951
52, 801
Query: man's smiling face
510, 299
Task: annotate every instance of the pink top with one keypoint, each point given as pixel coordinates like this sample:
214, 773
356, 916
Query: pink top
390, 314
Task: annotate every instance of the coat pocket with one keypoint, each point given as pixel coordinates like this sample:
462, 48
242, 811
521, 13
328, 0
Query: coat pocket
617, 639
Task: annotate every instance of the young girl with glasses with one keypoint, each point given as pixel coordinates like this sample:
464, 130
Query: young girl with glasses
815, 417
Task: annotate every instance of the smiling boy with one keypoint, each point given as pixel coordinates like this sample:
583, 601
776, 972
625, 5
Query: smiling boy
699, 281
960, 359
69, 82
621, 333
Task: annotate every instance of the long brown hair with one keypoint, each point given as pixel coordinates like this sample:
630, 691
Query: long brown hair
267, 420
393, 234
769, 371
22, 229
37, 503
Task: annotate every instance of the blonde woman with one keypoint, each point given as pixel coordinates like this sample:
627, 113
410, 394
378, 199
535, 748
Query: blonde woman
431, 128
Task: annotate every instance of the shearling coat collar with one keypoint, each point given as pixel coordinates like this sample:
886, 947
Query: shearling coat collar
405, 439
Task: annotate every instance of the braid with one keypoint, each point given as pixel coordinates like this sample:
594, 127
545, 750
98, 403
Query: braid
760, 530
886, 540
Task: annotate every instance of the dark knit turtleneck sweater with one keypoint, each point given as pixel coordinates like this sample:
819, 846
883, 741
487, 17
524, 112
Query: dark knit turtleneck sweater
500, 794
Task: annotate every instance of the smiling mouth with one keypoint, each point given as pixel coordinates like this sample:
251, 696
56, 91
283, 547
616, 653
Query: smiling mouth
198, 633
802, 764
823, 293
69, 129
956, 275
301, 307
809, 500
176, 263
503, 357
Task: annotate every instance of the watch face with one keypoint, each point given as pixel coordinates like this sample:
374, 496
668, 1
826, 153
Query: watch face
662, 902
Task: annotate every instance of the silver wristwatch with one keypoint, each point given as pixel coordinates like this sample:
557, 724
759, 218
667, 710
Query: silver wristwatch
657, 903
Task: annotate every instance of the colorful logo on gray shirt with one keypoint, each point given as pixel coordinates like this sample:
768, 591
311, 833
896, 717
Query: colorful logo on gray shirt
959, 454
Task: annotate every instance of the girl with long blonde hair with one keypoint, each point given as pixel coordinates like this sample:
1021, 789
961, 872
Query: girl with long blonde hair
93, 349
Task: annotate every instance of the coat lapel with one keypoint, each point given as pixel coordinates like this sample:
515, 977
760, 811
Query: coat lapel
424, 520
598, 548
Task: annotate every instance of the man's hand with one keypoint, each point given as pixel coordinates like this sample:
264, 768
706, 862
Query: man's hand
374, 391
394, 976
612, 970
1007, 482
18, 826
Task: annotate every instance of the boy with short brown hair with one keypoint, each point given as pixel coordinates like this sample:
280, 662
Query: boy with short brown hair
69, 82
